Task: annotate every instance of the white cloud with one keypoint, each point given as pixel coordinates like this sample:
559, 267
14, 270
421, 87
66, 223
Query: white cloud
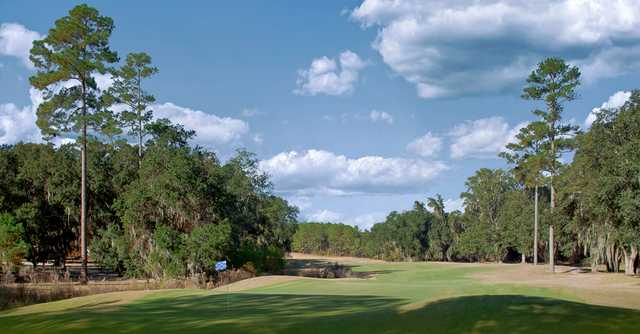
615, 101
211, 130
325, 216
482, 138
451, 205
425, 146
366, 221
17, 124
16, 41
380, 116
323, 172
449, 48
302, 202
324, 77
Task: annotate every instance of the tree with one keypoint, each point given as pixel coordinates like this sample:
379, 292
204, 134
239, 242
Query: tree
605, 186
486, 194
528, 159
553, 82
67, 60
440, 234
127, 89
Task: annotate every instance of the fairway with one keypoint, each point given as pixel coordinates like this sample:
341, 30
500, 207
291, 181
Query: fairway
397, 298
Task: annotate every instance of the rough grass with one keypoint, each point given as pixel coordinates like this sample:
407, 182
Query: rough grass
400, 298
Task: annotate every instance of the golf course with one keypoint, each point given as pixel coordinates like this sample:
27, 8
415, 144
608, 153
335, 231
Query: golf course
389, 298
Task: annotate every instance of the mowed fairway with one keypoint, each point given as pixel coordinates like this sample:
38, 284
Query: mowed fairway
399, 298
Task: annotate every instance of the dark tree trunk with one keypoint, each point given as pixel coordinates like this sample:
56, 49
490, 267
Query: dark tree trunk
535, 228
83, 194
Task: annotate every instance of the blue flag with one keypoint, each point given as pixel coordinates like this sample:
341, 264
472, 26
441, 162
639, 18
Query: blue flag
221, 265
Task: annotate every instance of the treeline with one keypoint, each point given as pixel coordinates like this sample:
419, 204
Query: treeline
159, 208
589, 206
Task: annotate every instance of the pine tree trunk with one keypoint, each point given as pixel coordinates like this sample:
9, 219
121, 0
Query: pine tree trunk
595, 256
630, 260
552, 265
535, 229
83, 196
139, 107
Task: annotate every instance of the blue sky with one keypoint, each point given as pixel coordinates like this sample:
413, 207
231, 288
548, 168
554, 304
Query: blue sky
356, 108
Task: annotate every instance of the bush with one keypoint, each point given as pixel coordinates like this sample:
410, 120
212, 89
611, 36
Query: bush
109, 248
166, 259
12, 247
206, 245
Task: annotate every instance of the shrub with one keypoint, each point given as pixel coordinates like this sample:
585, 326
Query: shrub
205, 245
12, 247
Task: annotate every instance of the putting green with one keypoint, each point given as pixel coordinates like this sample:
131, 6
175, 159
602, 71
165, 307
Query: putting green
400, 298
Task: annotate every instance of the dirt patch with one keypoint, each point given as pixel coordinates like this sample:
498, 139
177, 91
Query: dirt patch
607, 289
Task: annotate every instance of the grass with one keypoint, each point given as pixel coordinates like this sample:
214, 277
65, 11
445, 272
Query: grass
401, 298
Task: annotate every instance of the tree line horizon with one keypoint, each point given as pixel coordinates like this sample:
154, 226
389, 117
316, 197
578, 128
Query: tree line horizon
161, 208
593, 219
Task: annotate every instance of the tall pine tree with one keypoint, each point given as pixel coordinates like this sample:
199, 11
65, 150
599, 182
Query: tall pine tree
67, 61
554, 82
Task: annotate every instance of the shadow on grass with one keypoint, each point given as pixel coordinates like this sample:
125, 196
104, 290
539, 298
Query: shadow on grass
284, 313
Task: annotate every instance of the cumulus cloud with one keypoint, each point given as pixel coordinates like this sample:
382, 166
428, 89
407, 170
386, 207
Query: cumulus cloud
16, 41
323, 172
325, 216
482, 138
363, 222
366, 221
17, 124
615, 101
450, 48
211, 130
324, 76
380, 116
425, 146
301, 202
451, 205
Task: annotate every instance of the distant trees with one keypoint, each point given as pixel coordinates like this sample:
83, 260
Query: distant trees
403, 236
527, 156
486, 194
440, 232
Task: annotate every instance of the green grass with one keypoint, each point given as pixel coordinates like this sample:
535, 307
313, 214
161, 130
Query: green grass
402, 298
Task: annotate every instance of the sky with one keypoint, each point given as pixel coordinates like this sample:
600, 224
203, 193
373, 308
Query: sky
354, 108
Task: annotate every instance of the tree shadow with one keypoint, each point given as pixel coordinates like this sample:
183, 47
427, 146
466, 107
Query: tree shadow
296, 313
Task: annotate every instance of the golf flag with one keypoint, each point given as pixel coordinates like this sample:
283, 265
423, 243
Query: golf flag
221, 265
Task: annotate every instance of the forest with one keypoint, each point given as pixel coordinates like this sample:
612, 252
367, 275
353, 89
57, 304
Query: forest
128, 191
